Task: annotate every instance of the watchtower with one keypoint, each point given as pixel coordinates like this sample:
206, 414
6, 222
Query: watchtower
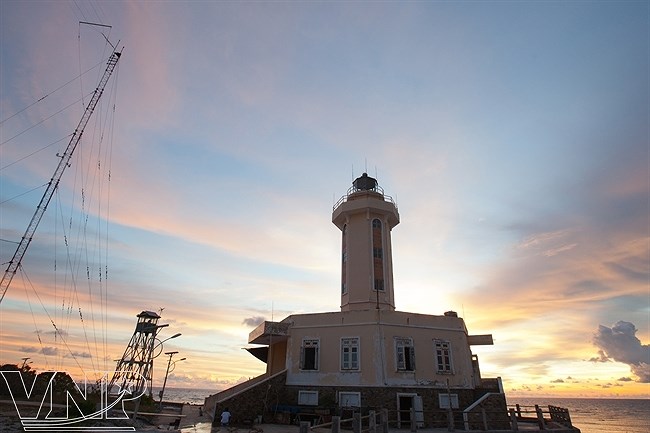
135, 370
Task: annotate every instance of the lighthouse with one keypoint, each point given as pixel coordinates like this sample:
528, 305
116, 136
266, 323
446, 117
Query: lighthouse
364, 356
366, 217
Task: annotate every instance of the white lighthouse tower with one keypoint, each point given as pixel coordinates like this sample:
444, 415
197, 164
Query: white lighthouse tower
366, 216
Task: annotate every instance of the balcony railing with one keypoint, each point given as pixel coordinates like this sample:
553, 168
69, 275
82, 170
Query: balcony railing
352, 190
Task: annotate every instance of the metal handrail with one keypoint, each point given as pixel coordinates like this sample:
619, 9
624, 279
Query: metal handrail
352, 190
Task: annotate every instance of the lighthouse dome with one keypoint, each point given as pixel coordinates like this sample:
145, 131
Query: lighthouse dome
365, 183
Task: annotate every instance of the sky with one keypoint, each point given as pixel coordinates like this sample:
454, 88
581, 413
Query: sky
513, 137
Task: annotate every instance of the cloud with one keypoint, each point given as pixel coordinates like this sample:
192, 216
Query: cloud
253, 321
602, 357
558, 381
48, 350
548, 244
80, 355
620, 344
555, 251
45, 350
60, 332
625, 379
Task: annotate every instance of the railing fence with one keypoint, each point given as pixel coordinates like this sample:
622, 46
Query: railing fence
379, 421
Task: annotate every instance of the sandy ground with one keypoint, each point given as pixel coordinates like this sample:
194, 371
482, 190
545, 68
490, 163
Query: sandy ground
195, 422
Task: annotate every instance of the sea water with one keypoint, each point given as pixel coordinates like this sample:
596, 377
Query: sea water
590, 415
184, 395
599, 415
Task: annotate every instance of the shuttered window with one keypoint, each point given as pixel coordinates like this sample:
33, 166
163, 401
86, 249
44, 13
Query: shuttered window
443, 356
350, 353
309, 355
405, 354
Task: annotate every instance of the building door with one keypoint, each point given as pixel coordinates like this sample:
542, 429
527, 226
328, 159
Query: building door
404, 404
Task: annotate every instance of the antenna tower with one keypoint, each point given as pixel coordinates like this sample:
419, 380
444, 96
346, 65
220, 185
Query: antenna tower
64, 162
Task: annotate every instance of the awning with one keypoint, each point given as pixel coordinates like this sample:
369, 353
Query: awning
261, 353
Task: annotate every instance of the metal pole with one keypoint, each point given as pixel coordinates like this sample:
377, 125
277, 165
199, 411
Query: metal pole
160, 343
162, 391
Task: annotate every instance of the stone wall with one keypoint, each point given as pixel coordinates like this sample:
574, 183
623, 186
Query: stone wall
248, 404
277, 402
489, 411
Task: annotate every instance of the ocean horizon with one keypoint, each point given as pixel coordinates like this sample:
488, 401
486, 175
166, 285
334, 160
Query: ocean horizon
590, 415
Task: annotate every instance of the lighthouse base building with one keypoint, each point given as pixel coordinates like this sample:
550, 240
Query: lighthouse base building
368, 356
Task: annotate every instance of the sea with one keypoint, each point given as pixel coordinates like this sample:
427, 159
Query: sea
599, 415
185, 395
590, 415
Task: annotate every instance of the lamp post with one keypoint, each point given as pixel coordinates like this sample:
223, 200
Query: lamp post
169, 363
159, 344
24, 362
150, 362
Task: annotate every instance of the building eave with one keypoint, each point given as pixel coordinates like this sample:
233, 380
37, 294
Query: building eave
267, 332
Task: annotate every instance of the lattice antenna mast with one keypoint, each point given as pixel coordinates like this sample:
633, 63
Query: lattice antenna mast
17, 258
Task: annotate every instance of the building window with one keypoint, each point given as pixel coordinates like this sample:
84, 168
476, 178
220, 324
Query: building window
308, 398
350, 353
444, 400
344, 260
349, 399
309, 355
443, 357
405, 354
378, 254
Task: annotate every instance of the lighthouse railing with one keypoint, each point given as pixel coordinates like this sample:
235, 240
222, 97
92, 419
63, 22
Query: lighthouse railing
352, 190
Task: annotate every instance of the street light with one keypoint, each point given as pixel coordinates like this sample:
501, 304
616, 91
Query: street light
169, 362
160, 344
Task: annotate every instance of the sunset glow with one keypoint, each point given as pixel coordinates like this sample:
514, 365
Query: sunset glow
513, 137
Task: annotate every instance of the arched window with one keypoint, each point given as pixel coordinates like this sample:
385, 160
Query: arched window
378, 254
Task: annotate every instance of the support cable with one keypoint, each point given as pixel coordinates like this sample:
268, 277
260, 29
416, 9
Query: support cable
22, 194
52, 92
56, 329
41, 121
35, 152
54, 182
